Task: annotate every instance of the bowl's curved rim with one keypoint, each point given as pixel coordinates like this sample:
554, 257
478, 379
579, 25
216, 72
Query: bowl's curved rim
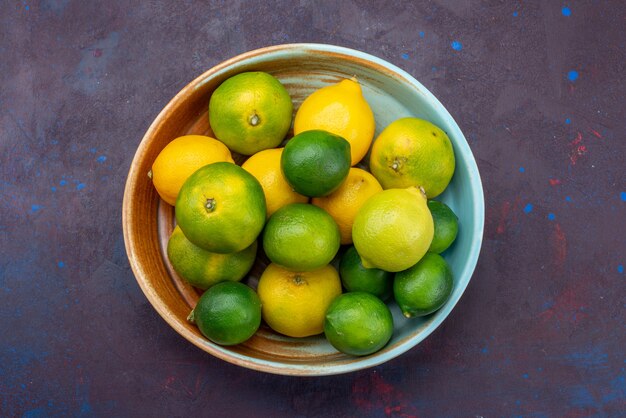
303, 369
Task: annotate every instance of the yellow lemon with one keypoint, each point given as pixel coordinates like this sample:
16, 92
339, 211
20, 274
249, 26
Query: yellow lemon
393, 229
342, 110
344, 203
295, 304
265, 167
180, 158
413, 152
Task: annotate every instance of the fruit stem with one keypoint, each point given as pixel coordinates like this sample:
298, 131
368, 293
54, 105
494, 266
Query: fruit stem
210, 204
298, 280
191, 318
253, 119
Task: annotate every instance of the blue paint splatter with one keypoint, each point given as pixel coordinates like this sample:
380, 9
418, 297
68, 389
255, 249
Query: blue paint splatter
54, 189
405, 56
92, 150
85, 409
572, 75
582, 398
434, 68
566, 11
80, 186
62, 182
456, 45
484, 350
515, 14
592, 358
522, 169
568, 199
35, 208
622, 195
548, 304
525, 375
36, 413
528, 208
568, 121
422, 34
101, 158
61, 264
27, 8
551, 216
620, 268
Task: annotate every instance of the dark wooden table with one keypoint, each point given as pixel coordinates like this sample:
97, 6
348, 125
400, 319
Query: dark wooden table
538, 89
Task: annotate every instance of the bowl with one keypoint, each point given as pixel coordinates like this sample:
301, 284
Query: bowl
302, 68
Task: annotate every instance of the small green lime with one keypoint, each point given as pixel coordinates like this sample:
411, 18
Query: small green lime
446, 226
423, 288
228, 313
202, 268
301, 237
356, 278
315, 163
358, 323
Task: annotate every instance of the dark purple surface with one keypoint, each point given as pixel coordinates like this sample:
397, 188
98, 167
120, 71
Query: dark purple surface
537, 88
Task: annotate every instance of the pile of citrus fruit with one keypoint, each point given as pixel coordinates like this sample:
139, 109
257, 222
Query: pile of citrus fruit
342, 240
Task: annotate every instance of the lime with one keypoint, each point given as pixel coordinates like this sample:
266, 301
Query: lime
294, 303
423, 288
228, 313
446, 226
250, 112
203, 269
358, 323
413, 152
301, 237
316, 162
355, 277
221, 208
342, 110
393, 229
180, 158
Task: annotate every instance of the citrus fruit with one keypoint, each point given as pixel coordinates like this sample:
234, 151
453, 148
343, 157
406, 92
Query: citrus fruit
294, 303
356, 278
250, 112
265, 167
228, 313
446, 226
393, 229
203, 269
344, 203
301, 237
358, 323
342, 110
413, 152
180, 158
221, 208
423, 288
315, 163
